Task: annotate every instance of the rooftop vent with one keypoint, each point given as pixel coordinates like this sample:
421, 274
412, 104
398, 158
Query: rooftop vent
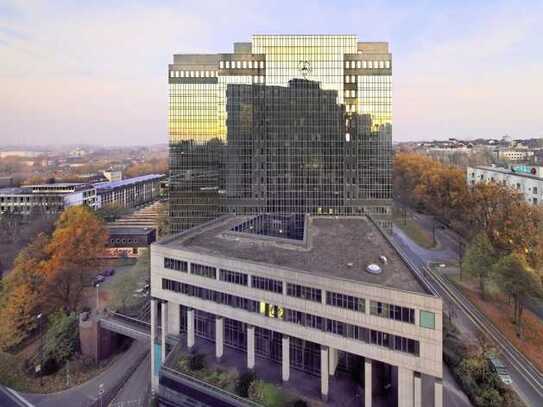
374, 269
349, 264
383, 259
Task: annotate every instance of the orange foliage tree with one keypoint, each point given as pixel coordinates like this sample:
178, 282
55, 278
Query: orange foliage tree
23, 292
510, 223
422, 181
75, 250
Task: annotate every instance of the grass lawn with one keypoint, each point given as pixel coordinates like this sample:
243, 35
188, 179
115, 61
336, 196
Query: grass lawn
501, 314
414, 231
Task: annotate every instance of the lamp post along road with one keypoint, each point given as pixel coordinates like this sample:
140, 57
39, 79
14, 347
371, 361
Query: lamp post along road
97, 298
40, 366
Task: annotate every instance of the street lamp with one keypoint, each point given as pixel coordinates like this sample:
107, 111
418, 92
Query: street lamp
39, 370
97, 298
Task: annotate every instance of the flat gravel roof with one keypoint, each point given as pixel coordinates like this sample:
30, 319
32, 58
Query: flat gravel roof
341, 247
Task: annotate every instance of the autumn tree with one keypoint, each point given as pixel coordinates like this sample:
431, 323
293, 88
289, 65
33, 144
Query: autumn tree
408, 169
163, 220
22, 294
510, 223
520, 281
75, 250
479, 260
442, 189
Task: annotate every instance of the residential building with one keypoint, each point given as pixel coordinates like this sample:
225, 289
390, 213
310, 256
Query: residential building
284, 124
318, 295
49, 198
130, 192
527, 179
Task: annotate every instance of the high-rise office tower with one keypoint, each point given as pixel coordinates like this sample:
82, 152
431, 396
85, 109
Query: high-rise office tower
286, 124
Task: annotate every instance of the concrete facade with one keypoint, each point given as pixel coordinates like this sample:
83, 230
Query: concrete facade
427, 359
526, 179
46, 198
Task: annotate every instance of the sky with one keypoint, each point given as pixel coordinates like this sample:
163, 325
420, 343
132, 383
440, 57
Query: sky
95, 72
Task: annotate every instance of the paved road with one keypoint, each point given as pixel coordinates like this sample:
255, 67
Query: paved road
523, 388
87, 392
137, 388
10, 398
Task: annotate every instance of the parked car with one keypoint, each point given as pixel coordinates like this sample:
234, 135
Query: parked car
500, 369
99, 279
108, 272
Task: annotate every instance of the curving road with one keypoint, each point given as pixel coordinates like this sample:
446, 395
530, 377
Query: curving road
526, 382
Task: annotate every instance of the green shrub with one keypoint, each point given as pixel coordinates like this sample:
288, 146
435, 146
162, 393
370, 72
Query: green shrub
244, 382
471, 370
197, 361
256, 391
489, 397
61, 340
266, 394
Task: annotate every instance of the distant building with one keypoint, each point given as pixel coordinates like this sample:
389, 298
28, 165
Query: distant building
113, 175
49, 198
20, 153
78, 152
129, 193
514, 154
129, 241
91, 178
527, 179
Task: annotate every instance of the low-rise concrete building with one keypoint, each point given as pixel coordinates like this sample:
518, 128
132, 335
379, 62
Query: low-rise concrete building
514, 154
50, 198
129, 241
315, 294
527, 179
130, 192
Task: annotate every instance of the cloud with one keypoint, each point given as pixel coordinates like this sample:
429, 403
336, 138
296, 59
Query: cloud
96, 72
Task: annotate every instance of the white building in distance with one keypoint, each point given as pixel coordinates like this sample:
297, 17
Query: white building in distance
526, 179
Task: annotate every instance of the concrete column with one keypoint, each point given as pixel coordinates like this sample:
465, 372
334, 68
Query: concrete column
368, 386
417, 390
174, 315
332, 361
219, 337
164, 330
285, 366
324, 373
190, 328
250, 347
438, 393
154, 309
405, 387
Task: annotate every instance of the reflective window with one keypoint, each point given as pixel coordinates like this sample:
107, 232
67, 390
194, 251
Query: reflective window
214, 163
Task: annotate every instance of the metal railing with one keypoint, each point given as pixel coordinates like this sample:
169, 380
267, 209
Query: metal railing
125, 325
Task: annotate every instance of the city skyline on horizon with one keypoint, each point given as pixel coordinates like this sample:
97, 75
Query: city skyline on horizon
97, 71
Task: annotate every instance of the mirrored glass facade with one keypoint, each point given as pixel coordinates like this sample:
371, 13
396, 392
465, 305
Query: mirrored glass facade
286, 124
